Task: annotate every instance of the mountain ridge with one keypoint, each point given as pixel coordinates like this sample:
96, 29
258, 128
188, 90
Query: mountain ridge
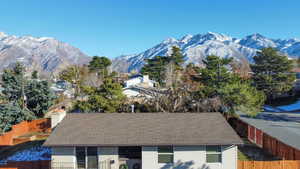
196, 47
49, 55
45, 54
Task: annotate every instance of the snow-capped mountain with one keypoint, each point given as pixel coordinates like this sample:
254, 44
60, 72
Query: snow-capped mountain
197, 47
43, 54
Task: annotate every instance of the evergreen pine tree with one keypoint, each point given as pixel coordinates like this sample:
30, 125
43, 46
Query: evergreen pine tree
100, 65
30, 95
176, 57
13, 83
161, 66
272, 72
215, 74
39, 97
235, 94
156, 68
108, 97
11, 114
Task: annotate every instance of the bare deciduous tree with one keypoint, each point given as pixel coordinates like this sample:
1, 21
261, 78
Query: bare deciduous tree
169, 100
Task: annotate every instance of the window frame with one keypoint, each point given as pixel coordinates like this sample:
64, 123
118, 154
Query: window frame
165, 153
219, 153
86, 156
76, 159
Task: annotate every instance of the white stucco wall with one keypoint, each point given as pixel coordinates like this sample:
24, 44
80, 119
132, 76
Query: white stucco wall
149, 158
190, 157
229, 157
63, 157
134, 81
139, 80
108, 154
185, 157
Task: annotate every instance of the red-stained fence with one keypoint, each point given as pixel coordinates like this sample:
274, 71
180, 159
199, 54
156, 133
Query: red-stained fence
27, 165
265, 141
283, 164
25, 127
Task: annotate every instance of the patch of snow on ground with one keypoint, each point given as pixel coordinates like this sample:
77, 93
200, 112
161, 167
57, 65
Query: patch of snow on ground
291, 107
33, 154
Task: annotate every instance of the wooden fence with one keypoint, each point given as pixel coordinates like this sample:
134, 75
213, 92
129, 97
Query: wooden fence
266, 142
279, 149
27, 165
25, 127
282, 164
46, 164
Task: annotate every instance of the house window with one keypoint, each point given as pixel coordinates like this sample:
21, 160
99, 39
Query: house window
92, 158
87, 157
80, 157
213, 154
165, 154
130, 152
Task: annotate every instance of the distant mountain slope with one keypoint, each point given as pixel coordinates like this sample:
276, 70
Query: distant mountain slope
43, 54
197, 47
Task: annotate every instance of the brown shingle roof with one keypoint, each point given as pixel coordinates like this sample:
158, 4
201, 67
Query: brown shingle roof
129, 129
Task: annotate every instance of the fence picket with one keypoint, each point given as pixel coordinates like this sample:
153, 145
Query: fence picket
283, 164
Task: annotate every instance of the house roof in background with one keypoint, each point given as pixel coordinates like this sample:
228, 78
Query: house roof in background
282, 126
135, 76
129, 129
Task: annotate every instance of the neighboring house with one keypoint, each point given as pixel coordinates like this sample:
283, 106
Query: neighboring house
139, 86
275, 132
139, 80
62, 87
141, 92
144, 140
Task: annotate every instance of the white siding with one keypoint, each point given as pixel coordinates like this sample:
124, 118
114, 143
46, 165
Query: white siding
134, 81
130, 93
108, 154
194, 157
229, 157
149, 158
63, 157
190, 157
139, 81
185, 157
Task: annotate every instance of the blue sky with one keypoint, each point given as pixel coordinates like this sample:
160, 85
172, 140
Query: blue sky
114, 27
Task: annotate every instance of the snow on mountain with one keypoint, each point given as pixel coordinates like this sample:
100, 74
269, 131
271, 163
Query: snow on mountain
257, 41
197, 47
44, 54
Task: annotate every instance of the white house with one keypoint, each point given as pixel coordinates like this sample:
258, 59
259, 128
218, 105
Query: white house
138, 91
144, 140
139, 86
139, 80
